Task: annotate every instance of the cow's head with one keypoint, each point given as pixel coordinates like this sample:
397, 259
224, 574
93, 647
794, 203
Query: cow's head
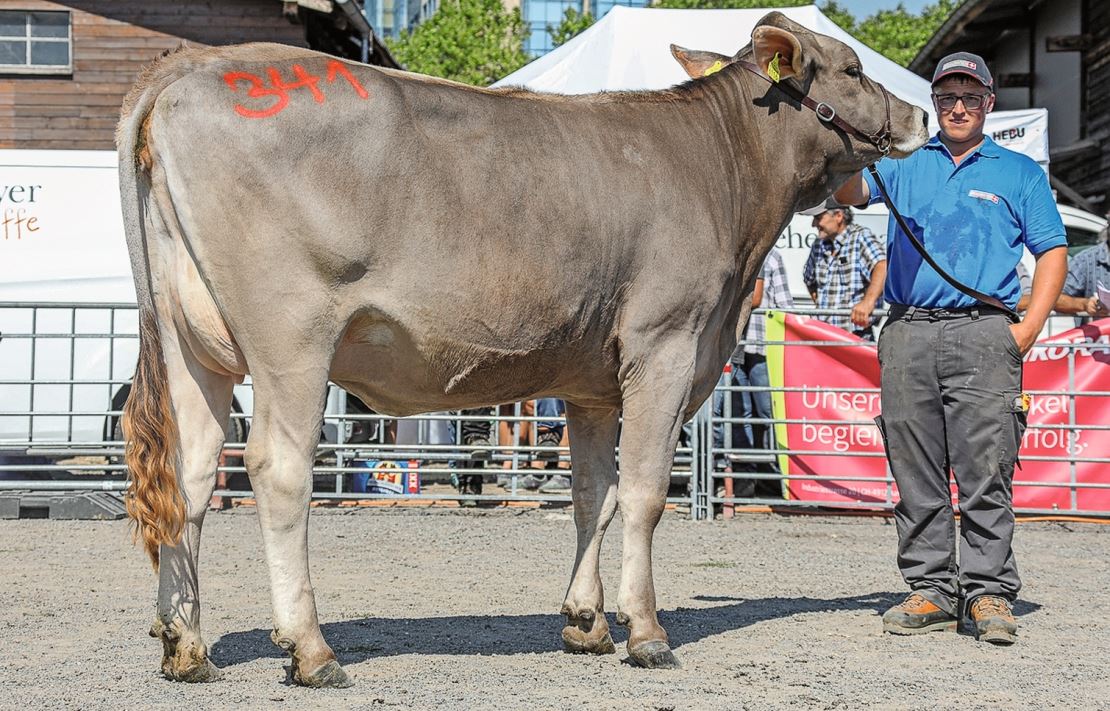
826, 70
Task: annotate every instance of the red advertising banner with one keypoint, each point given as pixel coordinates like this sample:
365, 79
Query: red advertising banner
829, 397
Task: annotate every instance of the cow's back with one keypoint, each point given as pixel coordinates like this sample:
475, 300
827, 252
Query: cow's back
492, 232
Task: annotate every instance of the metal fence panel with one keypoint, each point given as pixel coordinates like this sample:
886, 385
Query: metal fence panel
65, 370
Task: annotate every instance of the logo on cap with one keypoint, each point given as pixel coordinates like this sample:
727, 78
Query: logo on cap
959, 63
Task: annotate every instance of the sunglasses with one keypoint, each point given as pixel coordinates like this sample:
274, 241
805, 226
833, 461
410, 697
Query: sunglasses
972, 102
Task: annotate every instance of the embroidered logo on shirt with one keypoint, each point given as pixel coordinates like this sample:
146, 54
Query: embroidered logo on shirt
958, 63
983, 195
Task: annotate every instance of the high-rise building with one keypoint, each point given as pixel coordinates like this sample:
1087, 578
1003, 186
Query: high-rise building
390, 17
541, 14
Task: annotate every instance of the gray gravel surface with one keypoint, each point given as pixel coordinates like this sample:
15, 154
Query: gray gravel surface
454, 609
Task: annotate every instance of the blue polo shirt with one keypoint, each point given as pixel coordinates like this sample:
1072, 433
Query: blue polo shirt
972, 218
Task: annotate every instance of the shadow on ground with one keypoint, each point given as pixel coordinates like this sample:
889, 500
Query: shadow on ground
359, 640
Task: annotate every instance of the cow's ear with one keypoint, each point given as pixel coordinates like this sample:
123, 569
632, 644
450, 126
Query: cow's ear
770, 42
698, 63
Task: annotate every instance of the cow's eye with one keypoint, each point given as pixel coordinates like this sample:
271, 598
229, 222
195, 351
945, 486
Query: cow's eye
853, 71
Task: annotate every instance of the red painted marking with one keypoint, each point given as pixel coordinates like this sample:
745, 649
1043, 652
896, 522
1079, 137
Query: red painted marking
304, 79
257, 90
279, 89
337, 67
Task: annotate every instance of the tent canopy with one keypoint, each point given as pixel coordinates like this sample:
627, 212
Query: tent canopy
629, 49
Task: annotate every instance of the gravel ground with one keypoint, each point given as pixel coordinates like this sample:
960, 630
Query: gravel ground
456, 609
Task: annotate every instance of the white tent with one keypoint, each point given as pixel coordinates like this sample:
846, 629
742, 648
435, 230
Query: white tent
629, 49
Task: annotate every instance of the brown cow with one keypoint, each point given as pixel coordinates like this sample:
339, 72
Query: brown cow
431, 246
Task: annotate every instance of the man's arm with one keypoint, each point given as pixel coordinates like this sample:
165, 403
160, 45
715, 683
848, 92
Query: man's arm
1078, 296
809, 272
861, 312
1048, 280
1090, 305
1071, 304
757, 295
854, 191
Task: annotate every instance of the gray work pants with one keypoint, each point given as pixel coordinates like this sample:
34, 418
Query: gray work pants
951, 397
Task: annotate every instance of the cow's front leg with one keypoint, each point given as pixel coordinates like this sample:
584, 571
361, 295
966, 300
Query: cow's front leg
593, 436
288, 412
655, 396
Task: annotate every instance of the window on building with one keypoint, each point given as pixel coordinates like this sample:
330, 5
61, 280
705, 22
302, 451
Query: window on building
603, 6
35, 42
539, 14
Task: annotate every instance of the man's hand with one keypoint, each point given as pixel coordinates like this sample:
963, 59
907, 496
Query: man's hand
1024, 335
1095, 308
861, 312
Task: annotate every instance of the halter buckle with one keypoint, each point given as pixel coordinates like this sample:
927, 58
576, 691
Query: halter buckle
825, 112
883, 142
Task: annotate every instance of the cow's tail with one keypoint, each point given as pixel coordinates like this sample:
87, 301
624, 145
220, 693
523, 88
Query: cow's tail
154, 499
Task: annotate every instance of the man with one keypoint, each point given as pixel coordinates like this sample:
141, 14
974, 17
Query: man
951, 367
749, 366
1087, 270
846, 269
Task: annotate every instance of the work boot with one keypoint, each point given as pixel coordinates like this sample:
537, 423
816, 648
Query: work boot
916, 615
994, 621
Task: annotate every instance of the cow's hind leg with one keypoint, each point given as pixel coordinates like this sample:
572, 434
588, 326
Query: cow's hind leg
288, 411
655, 396
201, 407
593, 435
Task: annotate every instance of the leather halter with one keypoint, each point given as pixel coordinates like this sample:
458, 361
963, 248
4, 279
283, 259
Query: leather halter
881, 138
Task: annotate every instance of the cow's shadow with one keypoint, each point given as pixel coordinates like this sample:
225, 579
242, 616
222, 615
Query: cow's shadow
362, 639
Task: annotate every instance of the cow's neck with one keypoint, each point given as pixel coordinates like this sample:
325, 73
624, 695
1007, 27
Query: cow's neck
780, 165
779, 156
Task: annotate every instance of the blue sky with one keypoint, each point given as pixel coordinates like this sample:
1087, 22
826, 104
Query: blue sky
863, 8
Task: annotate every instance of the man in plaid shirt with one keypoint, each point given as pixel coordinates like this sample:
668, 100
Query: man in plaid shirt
846, 269
1086, 271
749, 368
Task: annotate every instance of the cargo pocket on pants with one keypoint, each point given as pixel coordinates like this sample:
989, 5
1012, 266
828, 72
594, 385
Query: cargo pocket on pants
1015, 420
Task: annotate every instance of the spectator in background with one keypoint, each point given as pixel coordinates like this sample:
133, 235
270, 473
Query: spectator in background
749, 368
477, 434
1086, 271
846, 269
550, 433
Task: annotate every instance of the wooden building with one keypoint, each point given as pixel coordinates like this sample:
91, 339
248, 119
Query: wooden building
66, 66
1052, 54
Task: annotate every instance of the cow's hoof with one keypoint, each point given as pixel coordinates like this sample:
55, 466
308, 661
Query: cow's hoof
575, 642
586, 631
653, 655
200, 673
183, 660
329, 676
594, 641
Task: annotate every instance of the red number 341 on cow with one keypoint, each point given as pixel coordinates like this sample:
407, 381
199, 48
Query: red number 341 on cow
279, 90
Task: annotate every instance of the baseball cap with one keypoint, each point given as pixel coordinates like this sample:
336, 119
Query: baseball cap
830, 204
964, 63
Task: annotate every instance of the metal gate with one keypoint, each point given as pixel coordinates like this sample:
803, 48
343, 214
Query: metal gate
66, 369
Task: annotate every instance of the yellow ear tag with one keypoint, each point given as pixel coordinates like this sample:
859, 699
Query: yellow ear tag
717, 66
773, 67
